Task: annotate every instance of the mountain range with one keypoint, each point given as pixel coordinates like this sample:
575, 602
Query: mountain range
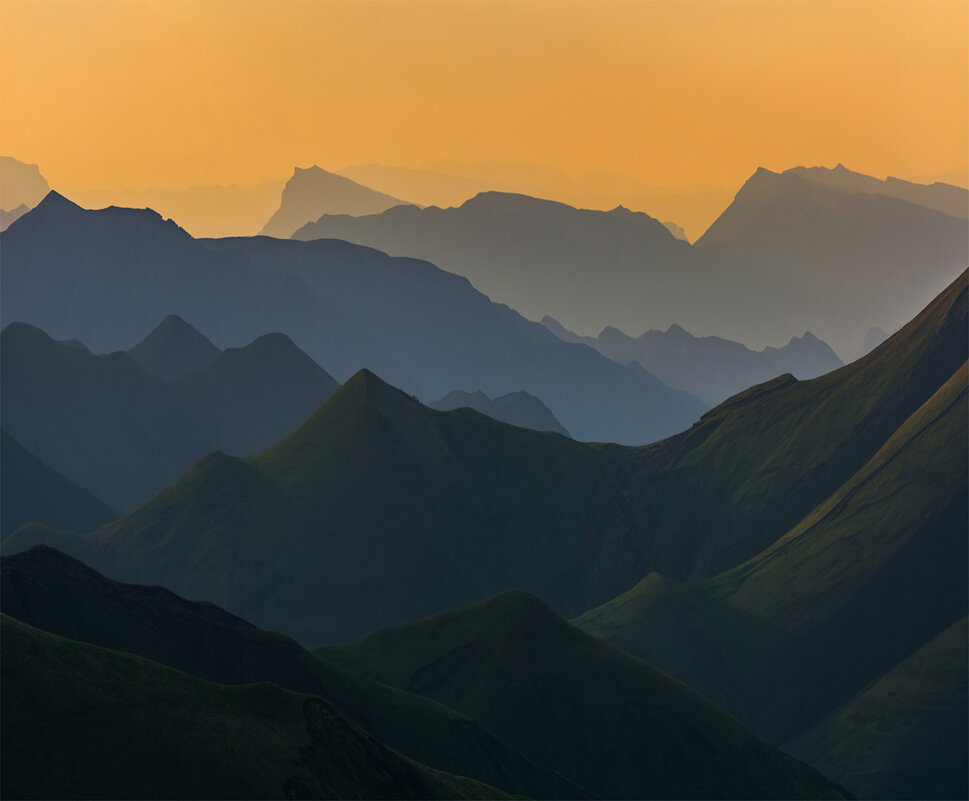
949, 199
104, 273
790, 254
711, 368
110, 425
313, 192
515, 408
460, 507
512, 633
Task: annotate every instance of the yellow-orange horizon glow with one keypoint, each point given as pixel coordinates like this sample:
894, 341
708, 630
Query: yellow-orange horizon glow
674, 94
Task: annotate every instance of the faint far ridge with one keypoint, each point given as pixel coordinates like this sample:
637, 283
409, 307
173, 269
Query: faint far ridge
872, 340
313, 192
516, 408
21, 184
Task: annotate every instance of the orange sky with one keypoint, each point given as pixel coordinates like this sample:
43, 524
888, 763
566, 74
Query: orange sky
676, 94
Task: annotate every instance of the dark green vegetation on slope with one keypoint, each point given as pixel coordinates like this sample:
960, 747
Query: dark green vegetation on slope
106, 423
863, 581
388, 511
81, 721
907, 734
30, 490
56, 593
569, 701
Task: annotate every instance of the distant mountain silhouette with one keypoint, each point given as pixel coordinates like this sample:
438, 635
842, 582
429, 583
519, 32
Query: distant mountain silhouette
949, 199
569, 701
202, 210
174, 348
107, 423
424, 187
76, 344
58, 594
32, 491
843, 259
132, 268
515, 408
788, 255
21, 184
314, 191
676, 230
537, 255
347, 307
872, 340
8, 217
710, 368
81, 721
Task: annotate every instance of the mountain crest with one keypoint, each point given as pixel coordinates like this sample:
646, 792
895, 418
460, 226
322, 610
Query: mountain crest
174, 348
55, 202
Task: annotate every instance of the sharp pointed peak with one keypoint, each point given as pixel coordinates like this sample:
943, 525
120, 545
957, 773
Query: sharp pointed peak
55, 200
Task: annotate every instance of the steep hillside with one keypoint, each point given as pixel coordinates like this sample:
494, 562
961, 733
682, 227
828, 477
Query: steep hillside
566, 700
30, 490
905, 735
56, 593
84, 722
870, 575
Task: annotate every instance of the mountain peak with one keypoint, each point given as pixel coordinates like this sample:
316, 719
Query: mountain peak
174, 348
54, 202
678, 331
312, 192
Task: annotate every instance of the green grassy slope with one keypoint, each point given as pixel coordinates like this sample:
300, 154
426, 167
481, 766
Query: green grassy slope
905, 736
56, 593
868, 577
758, 463
84, 722
567, 700
30, 490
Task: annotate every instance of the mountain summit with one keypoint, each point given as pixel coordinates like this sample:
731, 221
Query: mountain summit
313, 192
174, 348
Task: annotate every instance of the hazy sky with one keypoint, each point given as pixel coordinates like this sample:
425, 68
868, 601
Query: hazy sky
134, 94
